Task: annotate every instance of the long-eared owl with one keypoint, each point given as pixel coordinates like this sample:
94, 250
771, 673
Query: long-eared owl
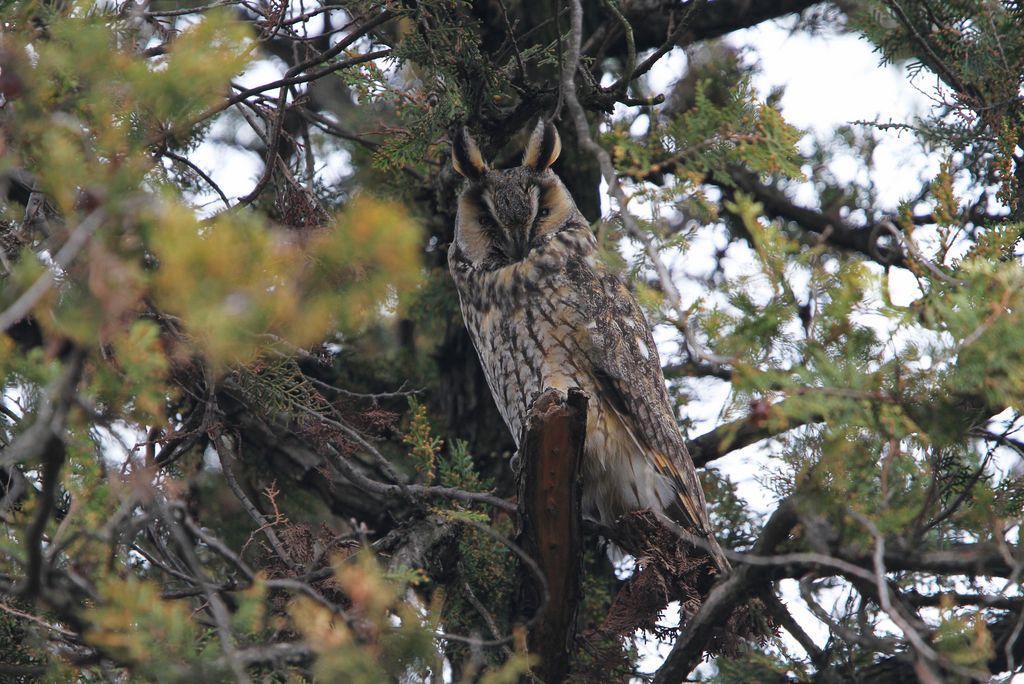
544, 311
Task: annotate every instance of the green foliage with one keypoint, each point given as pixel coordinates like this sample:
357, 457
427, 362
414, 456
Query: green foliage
423, 446
735, 528
156, 638
432, 303
752, 667
380, 637
445, 57
487, 569
86, 122
710, 136
964, 639
277, 387
977, 50
458, 470
144, 296
91, 109
234, 282
373, 649
16, 644
384, 637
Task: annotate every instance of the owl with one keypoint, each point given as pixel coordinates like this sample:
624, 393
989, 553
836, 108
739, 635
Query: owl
543, 312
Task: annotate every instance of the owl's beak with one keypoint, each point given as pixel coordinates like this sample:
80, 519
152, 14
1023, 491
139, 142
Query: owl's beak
520, 242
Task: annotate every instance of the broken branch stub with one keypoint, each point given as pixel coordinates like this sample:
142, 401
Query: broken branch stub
550, 530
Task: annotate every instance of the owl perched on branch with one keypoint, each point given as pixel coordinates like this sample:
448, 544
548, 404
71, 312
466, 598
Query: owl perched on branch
543, 311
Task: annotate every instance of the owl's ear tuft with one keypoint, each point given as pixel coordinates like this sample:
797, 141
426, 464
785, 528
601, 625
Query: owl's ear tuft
543, 148
466, 157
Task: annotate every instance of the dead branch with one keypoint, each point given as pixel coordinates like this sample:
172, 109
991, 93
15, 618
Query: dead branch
550, 524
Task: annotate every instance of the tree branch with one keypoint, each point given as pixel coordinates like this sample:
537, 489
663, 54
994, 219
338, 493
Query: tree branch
53, 459
724, 598
714, 19
832, 229
226, 453
736, 435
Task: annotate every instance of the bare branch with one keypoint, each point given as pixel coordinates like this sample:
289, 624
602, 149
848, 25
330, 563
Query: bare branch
29, 298
832, 229
226, 453
217, 609
736, 435
415, 492
199, 172
927, 658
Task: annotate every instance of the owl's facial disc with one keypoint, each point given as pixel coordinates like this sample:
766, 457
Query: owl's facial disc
510, 203
505, 214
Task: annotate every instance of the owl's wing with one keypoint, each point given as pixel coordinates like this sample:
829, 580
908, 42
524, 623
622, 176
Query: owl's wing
624, 358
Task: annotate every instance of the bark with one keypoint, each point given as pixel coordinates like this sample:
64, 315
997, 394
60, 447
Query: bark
872, 241
708, 20
550, 526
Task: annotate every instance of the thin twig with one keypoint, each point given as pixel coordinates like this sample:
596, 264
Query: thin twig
782, 617
161, 565
382, 463
412, 491
374, 396
524, 558
838, 628
291, 77
1011, 642
67, 634
189, 10
488, 619
272, 150
512, 37
228, 456
935, 62
218, 547
30, 297
928, 658
245, 94
962, 496
620, 87
916, 254
682, 23
217, 609
199, 172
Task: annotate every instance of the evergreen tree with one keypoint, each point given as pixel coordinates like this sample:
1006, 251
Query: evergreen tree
244, 436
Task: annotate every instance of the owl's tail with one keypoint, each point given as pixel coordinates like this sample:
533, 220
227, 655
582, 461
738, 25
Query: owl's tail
690, 515
682, 502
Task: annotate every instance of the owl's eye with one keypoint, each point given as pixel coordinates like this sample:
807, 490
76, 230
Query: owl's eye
544, 213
